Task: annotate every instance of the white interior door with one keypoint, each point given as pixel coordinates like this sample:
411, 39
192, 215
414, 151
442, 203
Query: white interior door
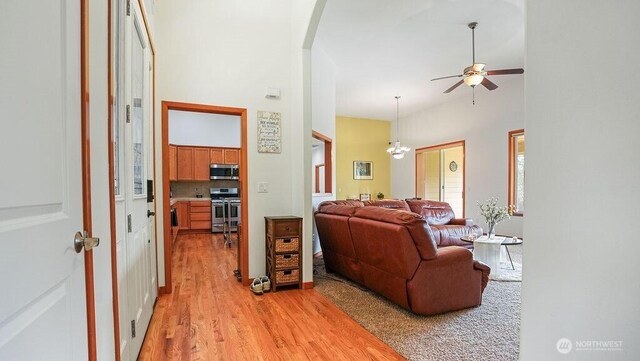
42, 307
135, 228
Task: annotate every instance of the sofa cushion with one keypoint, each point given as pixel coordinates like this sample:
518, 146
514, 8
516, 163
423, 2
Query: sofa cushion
435, 213
420, 232
389, 203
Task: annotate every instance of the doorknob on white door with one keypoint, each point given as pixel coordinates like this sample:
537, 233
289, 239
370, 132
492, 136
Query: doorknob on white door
81, 241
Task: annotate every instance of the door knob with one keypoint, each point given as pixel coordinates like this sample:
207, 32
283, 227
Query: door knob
149, 213
81, 241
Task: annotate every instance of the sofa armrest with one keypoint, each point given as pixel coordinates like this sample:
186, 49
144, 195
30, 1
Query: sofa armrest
485, 272
449, 282
453, 255
462, 222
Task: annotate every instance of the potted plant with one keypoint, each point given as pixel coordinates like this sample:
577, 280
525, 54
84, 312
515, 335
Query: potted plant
380, 195
493, 214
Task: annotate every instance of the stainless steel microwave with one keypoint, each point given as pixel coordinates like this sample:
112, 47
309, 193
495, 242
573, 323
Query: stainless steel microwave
224, 171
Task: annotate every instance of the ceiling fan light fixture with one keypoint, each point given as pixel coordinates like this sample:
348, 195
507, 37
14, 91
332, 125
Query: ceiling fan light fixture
473, 80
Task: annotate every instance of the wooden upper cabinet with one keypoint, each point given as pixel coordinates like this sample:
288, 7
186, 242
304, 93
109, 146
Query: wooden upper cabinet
185, 163
201, 164
192, 163
216, 156
173, 163
231, 156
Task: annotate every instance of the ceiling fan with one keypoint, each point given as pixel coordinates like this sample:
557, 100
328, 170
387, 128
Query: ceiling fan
475, 74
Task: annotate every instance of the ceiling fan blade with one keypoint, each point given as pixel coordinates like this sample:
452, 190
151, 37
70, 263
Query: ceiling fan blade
489, 84
447, 77
453, 87
505, 71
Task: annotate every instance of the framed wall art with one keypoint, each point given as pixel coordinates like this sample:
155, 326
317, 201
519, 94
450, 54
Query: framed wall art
362, 169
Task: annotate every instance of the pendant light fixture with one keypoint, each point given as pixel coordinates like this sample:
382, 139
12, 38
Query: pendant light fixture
398, 151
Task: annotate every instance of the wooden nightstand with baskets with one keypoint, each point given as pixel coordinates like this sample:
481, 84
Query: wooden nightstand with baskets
284, 251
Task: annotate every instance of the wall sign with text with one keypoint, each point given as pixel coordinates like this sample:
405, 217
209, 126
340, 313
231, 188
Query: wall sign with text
269, 132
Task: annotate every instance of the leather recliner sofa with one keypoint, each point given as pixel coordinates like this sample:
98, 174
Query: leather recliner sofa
394, 254
447, 229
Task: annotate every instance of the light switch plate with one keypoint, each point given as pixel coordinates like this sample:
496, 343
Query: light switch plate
263, 187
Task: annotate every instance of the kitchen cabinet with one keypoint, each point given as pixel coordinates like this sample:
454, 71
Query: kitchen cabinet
173, 163
231, 156
192, 163
182, 208
200, 215
216, 156
201, 164
185, 163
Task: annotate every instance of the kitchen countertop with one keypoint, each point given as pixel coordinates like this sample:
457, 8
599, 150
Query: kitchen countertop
174, 200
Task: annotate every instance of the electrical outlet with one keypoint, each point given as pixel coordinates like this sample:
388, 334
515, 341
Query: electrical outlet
263, 187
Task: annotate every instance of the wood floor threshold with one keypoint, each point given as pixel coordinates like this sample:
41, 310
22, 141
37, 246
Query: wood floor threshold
211, 316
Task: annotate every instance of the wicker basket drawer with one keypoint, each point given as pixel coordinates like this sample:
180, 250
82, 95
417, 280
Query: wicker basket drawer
287, 244
287, 261
292, 275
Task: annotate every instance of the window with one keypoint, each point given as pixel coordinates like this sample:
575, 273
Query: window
516, 171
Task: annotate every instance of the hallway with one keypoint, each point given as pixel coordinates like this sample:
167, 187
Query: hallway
210, 316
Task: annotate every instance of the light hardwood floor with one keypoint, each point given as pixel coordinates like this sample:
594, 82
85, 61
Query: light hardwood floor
210, 316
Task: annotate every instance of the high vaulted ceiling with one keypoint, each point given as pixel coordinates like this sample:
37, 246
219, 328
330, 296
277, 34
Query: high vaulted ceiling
383, 48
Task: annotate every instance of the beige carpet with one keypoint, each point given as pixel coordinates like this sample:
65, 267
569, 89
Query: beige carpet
488, 332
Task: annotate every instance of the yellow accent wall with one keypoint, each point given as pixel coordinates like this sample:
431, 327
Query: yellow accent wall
364, 140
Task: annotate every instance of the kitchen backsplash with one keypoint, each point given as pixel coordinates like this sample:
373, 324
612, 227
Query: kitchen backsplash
191, 189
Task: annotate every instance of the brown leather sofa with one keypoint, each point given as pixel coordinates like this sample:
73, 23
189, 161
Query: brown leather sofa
394, 253
446, 228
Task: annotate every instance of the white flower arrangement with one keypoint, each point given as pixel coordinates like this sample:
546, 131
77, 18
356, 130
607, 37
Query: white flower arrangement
493, 214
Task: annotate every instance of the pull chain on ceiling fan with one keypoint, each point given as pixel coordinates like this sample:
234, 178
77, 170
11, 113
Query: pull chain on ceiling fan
475, 74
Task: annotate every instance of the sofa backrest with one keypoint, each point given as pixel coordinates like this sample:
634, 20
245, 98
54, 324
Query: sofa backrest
407, 223
342, 202
389, 203
435, 213
332, 221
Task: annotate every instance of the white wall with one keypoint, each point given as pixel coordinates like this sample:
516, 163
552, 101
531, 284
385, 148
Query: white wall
484, 127
323, 114
581, 278
235, 51
205, 129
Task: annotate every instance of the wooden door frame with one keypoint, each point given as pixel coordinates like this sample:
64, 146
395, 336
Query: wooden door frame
457, 143
328, 162
511, 167
85, 143
244, 201
110, 150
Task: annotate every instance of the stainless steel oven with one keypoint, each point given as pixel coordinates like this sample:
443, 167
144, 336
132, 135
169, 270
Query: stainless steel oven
224, 171
225, 209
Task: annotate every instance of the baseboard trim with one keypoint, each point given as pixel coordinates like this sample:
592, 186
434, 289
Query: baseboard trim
307, 285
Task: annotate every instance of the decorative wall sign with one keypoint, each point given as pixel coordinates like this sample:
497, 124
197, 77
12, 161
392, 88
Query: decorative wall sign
269, 132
